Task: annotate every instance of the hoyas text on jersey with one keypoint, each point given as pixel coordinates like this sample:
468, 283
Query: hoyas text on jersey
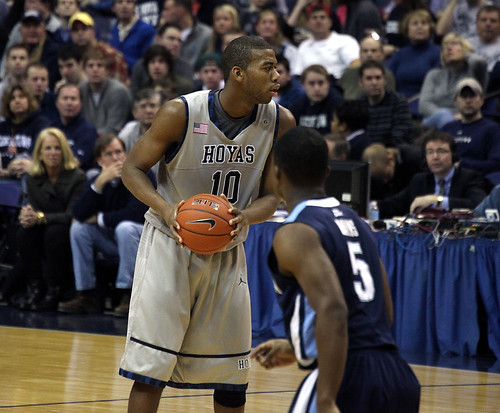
228, 154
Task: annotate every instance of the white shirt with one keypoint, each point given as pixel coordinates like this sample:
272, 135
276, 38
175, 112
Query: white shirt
335, 54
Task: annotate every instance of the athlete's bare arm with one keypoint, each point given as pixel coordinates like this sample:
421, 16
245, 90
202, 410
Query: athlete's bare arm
264, 207
166, 130
387, 294
299, 253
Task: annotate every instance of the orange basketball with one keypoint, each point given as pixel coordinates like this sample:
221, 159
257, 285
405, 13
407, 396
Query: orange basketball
204, 223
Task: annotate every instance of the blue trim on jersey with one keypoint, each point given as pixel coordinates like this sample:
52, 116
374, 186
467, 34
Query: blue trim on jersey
217, 386
162, 384
308, 331
254, 116
277, 125
330, 202
142, 379
177, 149
175, 353
211, 108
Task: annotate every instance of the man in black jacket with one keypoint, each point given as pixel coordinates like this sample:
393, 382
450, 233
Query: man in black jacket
445, 186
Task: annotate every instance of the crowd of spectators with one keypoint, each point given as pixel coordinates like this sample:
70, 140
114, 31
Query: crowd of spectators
410, 86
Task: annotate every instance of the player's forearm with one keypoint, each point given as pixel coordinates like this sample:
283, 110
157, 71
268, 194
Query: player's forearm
139, 184
332, 352
261, 209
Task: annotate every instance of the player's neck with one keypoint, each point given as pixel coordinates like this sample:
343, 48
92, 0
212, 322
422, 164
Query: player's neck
302, 194
233, 103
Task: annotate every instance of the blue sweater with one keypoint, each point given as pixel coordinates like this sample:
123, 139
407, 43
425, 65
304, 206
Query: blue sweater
139, 38
316, 115
81, 136
478, 144
411, 63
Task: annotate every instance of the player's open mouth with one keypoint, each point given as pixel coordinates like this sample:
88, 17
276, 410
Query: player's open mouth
275, 89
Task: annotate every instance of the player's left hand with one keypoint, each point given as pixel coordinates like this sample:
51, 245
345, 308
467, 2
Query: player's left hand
239, 221
274, 353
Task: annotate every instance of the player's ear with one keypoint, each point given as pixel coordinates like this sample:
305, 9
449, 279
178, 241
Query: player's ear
276, 175
237, 72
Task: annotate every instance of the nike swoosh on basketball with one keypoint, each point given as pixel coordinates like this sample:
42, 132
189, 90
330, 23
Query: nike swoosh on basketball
203, 221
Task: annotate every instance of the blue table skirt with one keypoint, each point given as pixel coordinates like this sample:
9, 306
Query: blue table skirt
267, 318
434, 285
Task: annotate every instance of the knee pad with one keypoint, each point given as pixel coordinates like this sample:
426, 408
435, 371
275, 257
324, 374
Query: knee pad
230, 398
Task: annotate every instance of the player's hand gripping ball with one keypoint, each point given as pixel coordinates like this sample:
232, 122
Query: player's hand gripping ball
204, 223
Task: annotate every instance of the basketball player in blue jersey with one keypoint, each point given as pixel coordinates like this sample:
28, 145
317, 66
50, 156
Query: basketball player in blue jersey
189, 320
334, 294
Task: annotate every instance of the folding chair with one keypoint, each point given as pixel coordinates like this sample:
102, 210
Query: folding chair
11, 199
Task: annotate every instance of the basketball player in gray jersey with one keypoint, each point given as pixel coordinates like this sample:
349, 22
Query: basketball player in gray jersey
189, 321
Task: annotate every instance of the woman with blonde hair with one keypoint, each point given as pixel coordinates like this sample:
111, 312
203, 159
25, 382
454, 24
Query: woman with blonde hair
53, 184
225, 18
268, 27
436, 103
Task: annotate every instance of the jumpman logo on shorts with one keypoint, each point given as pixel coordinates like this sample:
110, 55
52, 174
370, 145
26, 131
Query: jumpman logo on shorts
242, 281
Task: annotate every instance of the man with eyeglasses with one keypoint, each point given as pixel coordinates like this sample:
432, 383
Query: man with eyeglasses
108, 222
445, 185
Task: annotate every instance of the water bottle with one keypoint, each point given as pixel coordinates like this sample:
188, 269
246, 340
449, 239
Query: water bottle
373, 213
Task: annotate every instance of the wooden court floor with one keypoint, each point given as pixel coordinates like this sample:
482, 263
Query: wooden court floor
55, 371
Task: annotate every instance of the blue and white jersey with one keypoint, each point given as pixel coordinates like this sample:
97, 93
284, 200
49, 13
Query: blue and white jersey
353, 251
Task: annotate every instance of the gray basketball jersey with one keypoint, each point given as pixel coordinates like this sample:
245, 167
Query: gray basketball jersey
207, 161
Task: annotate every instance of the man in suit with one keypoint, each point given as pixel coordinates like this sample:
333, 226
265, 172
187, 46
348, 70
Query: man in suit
108, 221
445, 186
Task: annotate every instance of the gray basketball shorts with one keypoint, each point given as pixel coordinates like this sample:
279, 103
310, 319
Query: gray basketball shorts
189, 320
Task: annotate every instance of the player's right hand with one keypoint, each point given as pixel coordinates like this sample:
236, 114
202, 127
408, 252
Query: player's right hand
169, 215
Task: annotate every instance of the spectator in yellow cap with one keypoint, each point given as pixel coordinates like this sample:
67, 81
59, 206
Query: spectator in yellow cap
83, 34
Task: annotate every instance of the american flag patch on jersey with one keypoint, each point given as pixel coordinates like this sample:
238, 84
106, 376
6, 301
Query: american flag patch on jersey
200, 128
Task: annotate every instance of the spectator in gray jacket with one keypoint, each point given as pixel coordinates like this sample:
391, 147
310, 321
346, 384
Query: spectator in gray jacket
106, 103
